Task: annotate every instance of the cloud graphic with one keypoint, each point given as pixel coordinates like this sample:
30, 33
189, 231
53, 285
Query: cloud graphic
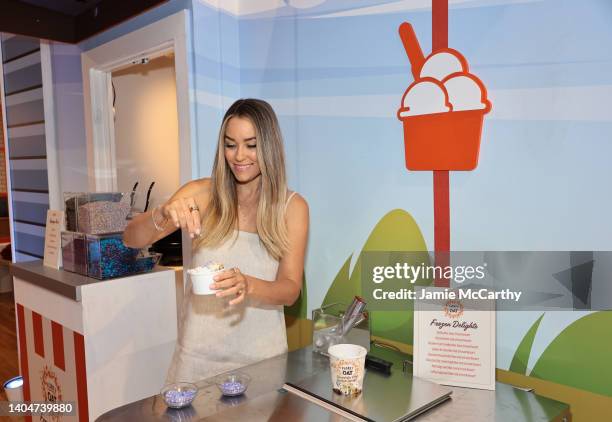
304, 4
403, 6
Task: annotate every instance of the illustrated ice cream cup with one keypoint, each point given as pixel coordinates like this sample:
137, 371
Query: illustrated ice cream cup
202, 278
443, 141
347, 365
443, 110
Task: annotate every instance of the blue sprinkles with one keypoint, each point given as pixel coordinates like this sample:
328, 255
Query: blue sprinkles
232, 388
175, 398
109, 257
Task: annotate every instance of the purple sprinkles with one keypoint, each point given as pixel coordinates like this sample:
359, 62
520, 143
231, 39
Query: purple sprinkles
175, 398
232, 388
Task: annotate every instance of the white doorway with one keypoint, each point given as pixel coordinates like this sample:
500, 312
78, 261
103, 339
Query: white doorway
146, 130
167, 36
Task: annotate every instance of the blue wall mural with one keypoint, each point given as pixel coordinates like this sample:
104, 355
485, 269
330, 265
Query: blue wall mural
335, 73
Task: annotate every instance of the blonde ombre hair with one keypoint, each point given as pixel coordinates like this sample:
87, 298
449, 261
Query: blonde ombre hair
220, 218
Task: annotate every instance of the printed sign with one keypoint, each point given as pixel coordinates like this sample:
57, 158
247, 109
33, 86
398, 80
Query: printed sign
454, 338
53, 239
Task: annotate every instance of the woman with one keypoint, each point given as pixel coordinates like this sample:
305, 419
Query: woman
245, 218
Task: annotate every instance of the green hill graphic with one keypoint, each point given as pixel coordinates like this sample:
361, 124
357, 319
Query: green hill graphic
580, 355
396, 231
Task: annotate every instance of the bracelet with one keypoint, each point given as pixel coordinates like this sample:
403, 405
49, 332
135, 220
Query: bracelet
159, 229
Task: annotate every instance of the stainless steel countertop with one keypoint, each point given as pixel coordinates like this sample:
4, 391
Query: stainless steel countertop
59, 281
264, 402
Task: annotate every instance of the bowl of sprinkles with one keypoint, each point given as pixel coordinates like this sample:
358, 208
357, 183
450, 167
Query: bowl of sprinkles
233, 383
179, 395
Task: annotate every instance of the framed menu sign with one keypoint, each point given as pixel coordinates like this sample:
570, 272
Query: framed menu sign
53, 238
454, 338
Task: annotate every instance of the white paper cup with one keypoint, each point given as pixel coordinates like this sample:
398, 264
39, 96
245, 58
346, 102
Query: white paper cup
200, 283
14, 389
347, 364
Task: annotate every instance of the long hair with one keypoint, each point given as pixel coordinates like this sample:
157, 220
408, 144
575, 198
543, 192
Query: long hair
220, 218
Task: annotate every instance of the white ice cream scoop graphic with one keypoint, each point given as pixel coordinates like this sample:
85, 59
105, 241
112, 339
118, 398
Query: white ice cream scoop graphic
465, 92
426, 96
442, 64
444, 84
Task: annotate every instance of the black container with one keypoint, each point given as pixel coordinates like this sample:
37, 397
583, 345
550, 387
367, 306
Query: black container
171, 248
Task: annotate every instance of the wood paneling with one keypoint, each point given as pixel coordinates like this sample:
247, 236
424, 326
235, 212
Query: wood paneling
8, 344
8, 339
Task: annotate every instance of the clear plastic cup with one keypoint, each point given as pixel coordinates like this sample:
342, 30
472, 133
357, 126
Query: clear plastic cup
14, 389
347, 365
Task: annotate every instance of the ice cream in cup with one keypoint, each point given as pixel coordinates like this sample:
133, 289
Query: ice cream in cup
202, 277
347, 364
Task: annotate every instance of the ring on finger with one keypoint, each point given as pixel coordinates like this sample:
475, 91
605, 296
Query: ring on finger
193, 208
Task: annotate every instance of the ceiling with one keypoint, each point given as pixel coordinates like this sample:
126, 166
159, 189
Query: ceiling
68, 21
67, 7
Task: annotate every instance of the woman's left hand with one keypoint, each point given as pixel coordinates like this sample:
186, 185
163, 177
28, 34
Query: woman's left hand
233, 283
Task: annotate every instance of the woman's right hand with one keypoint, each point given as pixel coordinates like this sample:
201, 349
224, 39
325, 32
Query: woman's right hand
184, 213
149, 227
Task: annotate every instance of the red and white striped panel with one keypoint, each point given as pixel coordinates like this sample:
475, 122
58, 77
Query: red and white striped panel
52, 359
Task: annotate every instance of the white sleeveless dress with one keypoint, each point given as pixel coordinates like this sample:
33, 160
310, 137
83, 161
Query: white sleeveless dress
214, 337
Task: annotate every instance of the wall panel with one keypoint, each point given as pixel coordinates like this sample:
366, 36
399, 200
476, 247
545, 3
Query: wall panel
27, 155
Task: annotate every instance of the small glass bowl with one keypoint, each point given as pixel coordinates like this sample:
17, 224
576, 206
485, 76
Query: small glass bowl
233, 383
179, 395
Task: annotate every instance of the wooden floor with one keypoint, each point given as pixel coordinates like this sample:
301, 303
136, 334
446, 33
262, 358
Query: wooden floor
9, 365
